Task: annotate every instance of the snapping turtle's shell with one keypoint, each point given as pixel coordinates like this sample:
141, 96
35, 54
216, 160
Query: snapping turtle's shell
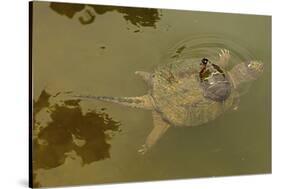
176, 89
178, 95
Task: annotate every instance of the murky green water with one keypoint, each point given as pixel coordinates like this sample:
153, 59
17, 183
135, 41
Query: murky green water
96, 51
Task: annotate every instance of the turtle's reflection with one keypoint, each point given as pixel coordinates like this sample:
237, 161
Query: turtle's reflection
61, 129
145, 17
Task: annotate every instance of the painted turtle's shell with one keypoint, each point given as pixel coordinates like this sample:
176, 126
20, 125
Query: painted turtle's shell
178, 94
216, 86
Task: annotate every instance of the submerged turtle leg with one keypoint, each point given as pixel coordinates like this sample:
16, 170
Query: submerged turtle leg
224, 58
160, 127
144, 102
236, 101
145, 76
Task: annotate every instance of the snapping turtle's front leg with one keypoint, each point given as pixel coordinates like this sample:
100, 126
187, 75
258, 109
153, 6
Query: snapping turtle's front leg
160, 127
147, 77
224, 57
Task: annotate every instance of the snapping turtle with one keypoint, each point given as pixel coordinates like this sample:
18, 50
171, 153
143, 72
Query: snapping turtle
177, 97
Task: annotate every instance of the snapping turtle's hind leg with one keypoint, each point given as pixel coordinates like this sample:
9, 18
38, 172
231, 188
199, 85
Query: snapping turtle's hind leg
144, 102
147, 77
224, 57
159, 129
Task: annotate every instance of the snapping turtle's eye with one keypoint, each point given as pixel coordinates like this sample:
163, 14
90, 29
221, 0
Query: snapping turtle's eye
250, 66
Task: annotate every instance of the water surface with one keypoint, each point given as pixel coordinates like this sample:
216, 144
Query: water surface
96, 50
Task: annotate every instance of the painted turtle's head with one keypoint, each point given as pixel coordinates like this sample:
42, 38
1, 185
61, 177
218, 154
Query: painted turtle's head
254, 69
204, 62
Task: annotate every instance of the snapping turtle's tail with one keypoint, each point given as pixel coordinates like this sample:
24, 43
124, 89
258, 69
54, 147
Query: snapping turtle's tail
144, 102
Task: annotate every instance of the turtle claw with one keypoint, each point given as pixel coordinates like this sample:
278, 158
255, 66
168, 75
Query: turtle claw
224, 53
224, 57
143, 149
139, 73
227, 53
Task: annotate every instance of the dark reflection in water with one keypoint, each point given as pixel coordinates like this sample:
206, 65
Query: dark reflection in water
67, 9
42, 102
68, 130
146, 17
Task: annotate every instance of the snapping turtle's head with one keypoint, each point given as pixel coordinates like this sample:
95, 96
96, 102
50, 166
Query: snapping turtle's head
246, 72
254, 70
